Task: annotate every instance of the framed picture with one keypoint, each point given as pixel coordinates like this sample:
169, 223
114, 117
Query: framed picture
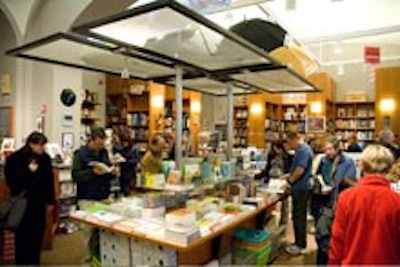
7, 144
315, 124
67, 140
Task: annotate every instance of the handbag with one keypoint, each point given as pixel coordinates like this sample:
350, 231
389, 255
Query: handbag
12, 211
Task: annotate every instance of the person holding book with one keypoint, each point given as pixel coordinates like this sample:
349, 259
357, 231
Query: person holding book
92, 172
335, 173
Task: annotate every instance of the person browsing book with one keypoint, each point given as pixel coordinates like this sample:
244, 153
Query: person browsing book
89, 169
152, 160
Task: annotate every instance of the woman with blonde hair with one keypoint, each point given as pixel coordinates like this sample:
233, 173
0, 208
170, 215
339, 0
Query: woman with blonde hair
366, 225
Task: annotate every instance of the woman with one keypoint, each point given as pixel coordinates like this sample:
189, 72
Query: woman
278, 162
29, 169
336, 170
366, 228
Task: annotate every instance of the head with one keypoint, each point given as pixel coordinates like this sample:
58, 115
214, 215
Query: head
97, 138
353, 139
157, 143
293, 140
278, 147
394, 173
386, 137
36, 143
376, 159
332, 148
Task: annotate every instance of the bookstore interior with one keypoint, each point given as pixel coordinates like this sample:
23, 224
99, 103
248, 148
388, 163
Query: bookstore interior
170, 124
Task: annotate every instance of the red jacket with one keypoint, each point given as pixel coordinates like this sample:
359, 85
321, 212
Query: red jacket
366, 228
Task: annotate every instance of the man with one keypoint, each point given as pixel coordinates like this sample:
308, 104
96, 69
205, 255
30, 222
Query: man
93, 180
338, 171
387, 139
366, 227
29, 170
299, 181
152, 160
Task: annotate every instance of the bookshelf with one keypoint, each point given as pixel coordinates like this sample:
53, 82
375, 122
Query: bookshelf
273, 122
355, 118
88, 110
294, 117
240, 131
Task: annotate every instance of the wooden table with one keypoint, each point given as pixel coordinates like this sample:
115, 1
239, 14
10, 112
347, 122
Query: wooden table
206, 248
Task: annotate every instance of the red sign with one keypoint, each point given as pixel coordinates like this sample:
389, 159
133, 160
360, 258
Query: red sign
372, 54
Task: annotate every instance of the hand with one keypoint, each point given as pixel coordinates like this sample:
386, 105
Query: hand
98, 170
285, 176
33, 166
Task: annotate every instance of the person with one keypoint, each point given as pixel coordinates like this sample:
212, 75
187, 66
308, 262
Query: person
93, 181
278, 162
129, 155
353, 144
386, 138
337, 171
152, 159
394, 173
299, 182
30, 170
366, 228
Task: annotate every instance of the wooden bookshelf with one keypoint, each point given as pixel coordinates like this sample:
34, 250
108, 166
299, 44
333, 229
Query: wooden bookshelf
240, 123
356, 118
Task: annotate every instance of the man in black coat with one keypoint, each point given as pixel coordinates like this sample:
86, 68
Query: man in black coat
29, 169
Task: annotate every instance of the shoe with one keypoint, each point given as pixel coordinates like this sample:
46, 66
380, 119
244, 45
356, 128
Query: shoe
295, 250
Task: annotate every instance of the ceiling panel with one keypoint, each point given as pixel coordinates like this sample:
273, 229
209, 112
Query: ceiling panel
90, 54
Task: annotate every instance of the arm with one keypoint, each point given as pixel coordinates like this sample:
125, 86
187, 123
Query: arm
336, 246
349, 178
81, 172
301, 160
296, 175
12, 173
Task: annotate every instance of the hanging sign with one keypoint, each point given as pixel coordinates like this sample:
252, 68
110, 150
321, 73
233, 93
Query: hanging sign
372, 54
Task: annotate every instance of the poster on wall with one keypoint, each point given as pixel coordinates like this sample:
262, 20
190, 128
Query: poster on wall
67, 140
315, 124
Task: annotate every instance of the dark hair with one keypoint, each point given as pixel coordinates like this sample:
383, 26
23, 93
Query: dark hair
155, 139
97, 132
280, 144
36, 138
292, 135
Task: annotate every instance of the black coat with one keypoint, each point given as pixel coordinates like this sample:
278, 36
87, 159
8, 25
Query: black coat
39, 186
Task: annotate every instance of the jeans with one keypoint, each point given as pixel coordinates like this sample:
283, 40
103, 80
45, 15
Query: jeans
299, 215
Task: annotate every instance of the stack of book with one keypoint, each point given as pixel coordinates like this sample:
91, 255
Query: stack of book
181, 233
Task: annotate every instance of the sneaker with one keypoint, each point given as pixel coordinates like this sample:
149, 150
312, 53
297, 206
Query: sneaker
295, 250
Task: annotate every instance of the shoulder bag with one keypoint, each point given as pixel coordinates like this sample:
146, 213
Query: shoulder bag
12, 211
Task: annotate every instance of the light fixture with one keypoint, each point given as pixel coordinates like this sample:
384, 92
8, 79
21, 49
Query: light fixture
157, 101
195, 107
387, 105
316, 107
256, 109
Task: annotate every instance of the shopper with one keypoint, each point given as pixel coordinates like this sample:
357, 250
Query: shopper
152, 160
299, 181
336, 170
278, 162
353, 144
93, 180
128, 155
386, 138
367, 218
394, 173
29, 169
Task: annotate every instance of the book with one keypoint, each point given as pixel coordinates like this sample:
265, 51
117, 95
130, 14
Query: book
180, 216
105, 167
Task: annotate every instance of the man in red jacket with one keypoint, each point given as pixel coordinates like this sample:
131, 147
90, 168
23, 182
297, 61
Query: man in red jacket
366, 228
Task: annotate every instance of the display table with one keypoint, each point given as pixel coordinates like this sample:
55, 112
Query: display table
118, 245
